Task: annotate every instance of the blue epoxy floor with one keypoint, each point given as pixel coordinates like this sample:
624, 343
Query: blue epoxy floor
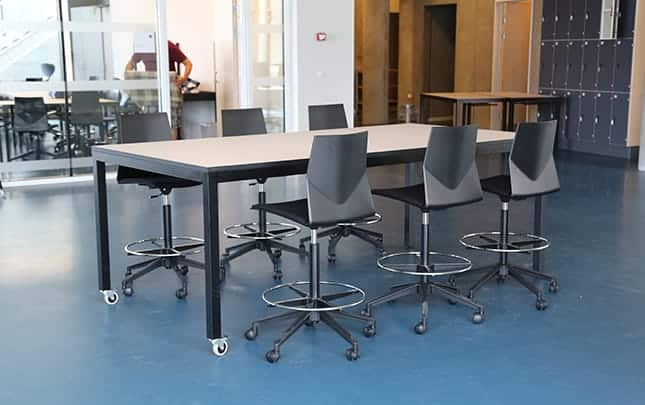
61, 345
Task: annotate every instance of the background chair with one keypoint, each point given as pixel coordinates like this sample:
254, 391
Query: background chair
532, 173
450, 179
332, 116
86, 111
30, 118
262, 235
338, 191
168, 251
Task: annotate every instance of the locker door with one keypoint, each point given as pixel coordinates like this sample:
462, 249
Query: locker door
623, 64
577, 24
602, 132
572, 115
620, 117
592, 24
560, 65
548, 19
546, 65
606, 53
574, 72
627, 18
562, 19
545, 111
587, 116
590, 65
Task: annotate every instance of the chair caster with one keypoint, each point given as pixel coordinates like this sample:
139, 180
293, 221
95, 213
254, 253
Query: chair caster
181, 293
310, 324
541, 304
478, 317
452, 302
554, 287
331, 258
110, 297
272, 356
421, 328
277, 253
251, 333
471, 295
128, 273
277, 273
452, 281
220, 346
351, 354
183, 270
501, 279
369, 331
128, 291
366, 312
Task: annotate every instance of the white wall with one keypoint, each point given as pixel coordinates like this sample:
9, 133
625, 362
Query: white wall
318, 72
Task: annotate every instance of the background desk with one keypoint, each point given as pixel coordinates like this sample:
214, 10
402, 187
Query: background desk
215, 160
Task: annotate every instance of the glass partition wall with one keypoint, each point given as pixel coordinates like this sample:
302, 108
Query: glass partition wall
69, 69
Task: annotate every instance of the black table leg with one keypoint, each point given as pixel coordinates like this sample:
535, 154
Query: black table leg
102, 234
537, 230
504, 116
212, 269
511, 116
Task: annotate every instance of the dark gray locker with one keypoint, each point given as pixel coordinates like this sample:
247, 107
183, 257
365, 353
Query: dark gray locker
606, 53
560, 65
589, 65
627, 18
545, 111
562, 17
577, 24
592, 24
587, 116
602, 130
620, 117
623, 65
546, 65
574, 59
548, 19
572, 115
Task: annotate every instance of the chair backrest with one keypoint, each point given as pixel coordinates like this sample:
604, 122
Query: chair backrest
86, 108
338, 189
144, 127
30, 115
329, 116
47, 70
450, 173
244, 121
531, 164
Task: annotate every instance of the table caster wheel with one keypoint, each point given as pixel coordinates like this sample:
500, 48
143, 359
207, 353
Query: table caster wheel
369, 331
128, 291
541, 304
181, 293
110, 297
420, 328
554, 287
351, 354
251, 333
331, 258
272, 356
220, 346
478, 317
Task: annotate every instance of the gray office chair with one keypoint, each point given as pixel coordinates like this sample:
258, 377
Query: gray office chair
86, 111
332, 116
337, 191
532, 173
261, 235
30, 118
169, 251
47, 70
450, 179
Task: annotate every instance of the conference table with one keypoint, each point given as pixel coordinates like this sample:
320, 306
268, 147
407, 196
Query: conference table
212, 161
464, 101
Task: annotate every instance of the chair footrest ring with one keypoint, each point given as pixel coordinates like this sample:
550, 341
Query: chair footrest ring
154, 247
439, 264
376, 218
251, 231
517, 242
295, 296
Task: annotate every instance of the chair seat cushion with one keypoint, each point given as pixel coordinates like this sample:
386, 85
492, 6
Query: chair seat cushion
501, 186
415, 196
127, 175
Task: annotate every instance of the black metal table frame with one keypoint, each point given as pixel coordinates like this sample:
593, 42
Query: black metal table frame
210, 178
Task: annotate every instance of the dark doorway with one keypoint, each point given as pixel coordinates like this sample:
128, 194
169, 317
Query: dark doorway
440, 24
